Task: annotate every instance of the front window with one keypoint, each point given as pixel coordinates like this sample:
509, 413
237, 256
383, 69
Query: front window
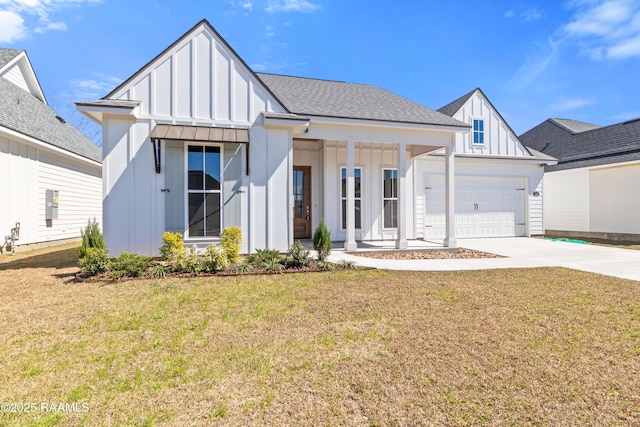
357, 173
204, 190
478, 131
390, 198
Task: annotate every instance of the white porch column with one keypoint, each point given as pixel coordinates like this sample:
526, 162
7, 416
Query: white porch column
401, 242
350, 244
450, 239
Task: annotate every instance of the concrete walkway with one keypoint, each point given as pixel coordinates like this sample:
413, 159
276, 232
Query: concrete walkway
519, 252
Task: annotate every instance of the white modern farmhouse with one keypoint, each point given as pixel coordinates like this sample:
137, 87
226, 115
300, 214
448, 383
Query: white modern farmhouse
50, 174
196, 141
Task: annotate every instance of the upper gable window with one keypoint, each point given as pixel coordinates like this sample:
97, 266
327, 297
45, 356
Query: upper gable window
478, 131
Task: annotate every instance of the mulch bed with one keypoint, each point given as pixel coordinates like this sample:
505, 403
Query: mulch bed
459, 253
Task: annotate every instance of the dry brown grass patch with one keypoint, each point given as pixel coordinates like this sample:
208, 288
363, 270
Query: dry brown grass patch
500, 347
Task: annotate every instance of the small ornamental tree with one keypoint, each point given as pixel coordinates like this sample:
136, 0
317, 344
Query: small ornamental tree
231, 240
322, 241
91, 238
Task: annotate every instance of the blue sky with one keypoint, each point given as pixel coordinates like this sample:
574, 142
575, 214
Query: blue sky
577, 59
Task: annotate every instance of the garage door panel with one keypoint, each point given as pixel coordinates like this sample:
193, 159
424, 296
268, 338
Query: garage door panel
485, 207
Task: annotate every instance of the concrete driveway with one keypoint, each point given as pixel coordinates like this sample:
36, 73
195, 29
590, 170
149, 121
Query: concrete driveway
520, 252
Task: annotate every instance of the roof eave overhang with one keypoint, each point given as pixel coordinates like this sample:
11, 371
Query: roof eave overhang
388, 124
297, 125
519, 159
13, 134
98, 112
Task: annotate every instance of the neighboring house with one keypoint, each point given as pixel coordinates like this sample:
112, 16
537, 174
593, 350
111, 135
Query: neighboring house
196, 141
593, 190
50, 174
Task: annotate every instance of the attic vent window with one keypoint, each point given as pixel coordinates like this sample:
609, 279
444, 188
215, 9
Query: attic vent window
61, 120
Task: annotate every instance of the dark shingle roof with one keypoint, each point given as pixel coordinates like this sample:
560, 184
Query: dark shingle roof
330, 98
6, 55
453, 107
24, 113
599, 146
575, 126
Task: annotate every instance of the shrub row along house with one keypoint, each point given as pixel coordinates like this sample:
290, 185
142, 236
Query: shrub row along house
50, 174
593, 191
196, 141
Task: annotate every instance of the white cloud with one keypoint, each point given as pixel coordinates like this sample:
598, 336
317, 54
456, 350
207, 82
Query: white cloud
530, 15
566, 104
57, 26
11, 27
607, 29
90, 89
625, 49
304, 6
535, 64
15, 16
247, 5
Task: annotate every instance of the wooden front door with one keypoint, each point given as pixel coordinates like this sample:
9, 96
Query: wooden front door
302, 202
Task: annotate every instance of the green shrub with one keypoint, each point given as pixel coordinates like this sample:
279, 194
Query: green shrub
298, 256
95, 261
241, 267
158, 270
231, 240
172, 245
322, 241
264, 255
325, 266
130, 264
346, 264
91, 238
215, 258
191, 262
272, 265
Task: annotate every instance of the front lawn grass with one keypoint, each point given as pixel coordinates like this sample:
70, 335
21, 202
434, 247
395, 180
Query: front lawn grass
356, 347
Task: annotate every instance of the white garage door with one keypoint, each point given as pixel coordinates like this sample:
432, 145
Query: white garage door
485, 207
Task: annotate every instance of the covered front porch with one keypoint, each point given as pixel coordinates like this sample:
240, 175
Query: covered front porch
360, 181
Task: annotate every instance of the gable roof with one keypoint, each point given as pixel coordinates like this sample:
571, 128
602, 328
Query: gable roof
453, 107
598, 146
575, 126
24, 113
329, 98
7, 55
187, 34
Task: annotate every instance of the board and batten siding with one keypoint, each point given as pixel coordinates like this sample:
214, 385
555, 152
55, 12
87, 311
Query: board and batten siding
499, 140
199, 81
372, 158
26, 172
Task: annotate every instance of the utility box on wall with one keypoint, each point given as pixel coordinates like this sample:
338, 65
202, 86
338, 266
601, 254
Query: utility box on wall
52, 200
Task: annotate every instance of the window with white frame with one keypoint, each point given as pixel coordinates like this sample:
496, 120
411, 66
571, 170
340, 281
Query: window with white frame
390, 198
357, 174
204, 183
478, 131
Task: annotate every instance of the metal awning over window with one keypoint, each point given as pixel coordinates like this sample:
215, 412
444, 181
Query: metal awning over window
199, 134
